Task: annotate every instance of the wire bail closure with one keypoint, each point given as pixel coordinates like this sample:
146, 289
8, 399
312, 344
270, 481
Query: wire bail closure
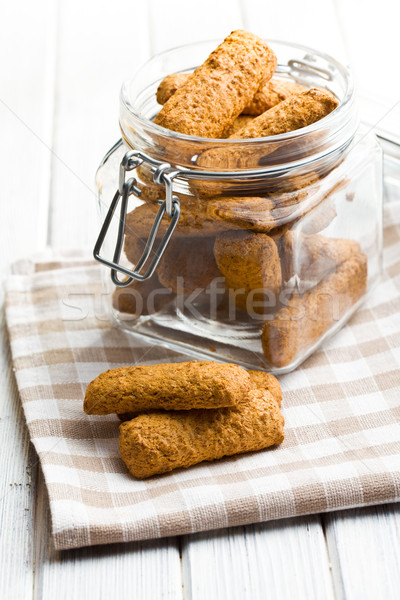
163, 174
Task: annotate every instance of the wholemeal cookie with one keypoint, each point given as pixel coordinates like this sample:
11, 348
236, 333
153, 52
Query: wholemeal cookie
259, 380
208, 216
254, 213
193, 221
258, 213
311, 208
160, 442
268, 95
153, 192
251, 267
265, 381
306, 317
272, 93
322, 213
150, 192
311, 257
175, 386
216, 93
319, 216
141, 298
274, 187
298, 181
169, 85
295, 112
238, 124
133, 246
188, 265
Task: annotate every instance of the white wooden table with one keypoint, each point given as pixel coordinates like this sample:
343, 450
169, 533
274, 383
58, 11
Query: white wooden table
62, 65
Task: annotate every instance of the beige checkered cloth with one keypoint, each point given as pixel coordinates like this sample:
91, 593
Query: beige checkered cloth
342, 411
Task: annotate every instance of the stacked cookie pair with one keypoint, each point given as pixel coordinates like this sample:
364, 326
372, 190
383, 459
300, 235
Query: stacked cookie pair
179, 414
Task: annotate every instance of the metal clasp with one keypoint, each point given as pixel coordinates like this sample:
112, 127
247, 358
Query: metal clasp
163, 174
305, 67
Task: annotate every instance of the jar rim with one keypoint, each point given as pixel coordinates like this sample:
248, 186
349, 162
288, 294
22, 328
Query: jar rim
336, 115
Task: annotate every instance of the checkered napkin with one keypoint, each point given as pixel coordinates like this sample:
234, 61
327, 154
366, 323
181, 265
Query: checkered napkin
342, 407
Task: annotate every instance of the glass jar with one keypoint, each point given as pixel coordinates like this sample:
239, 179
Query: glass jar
259, 249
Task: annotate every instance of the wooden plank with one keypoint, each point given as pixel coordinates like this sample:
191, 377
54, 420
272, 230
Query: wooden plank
365, 545
282, 559
149, 570
27, 41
